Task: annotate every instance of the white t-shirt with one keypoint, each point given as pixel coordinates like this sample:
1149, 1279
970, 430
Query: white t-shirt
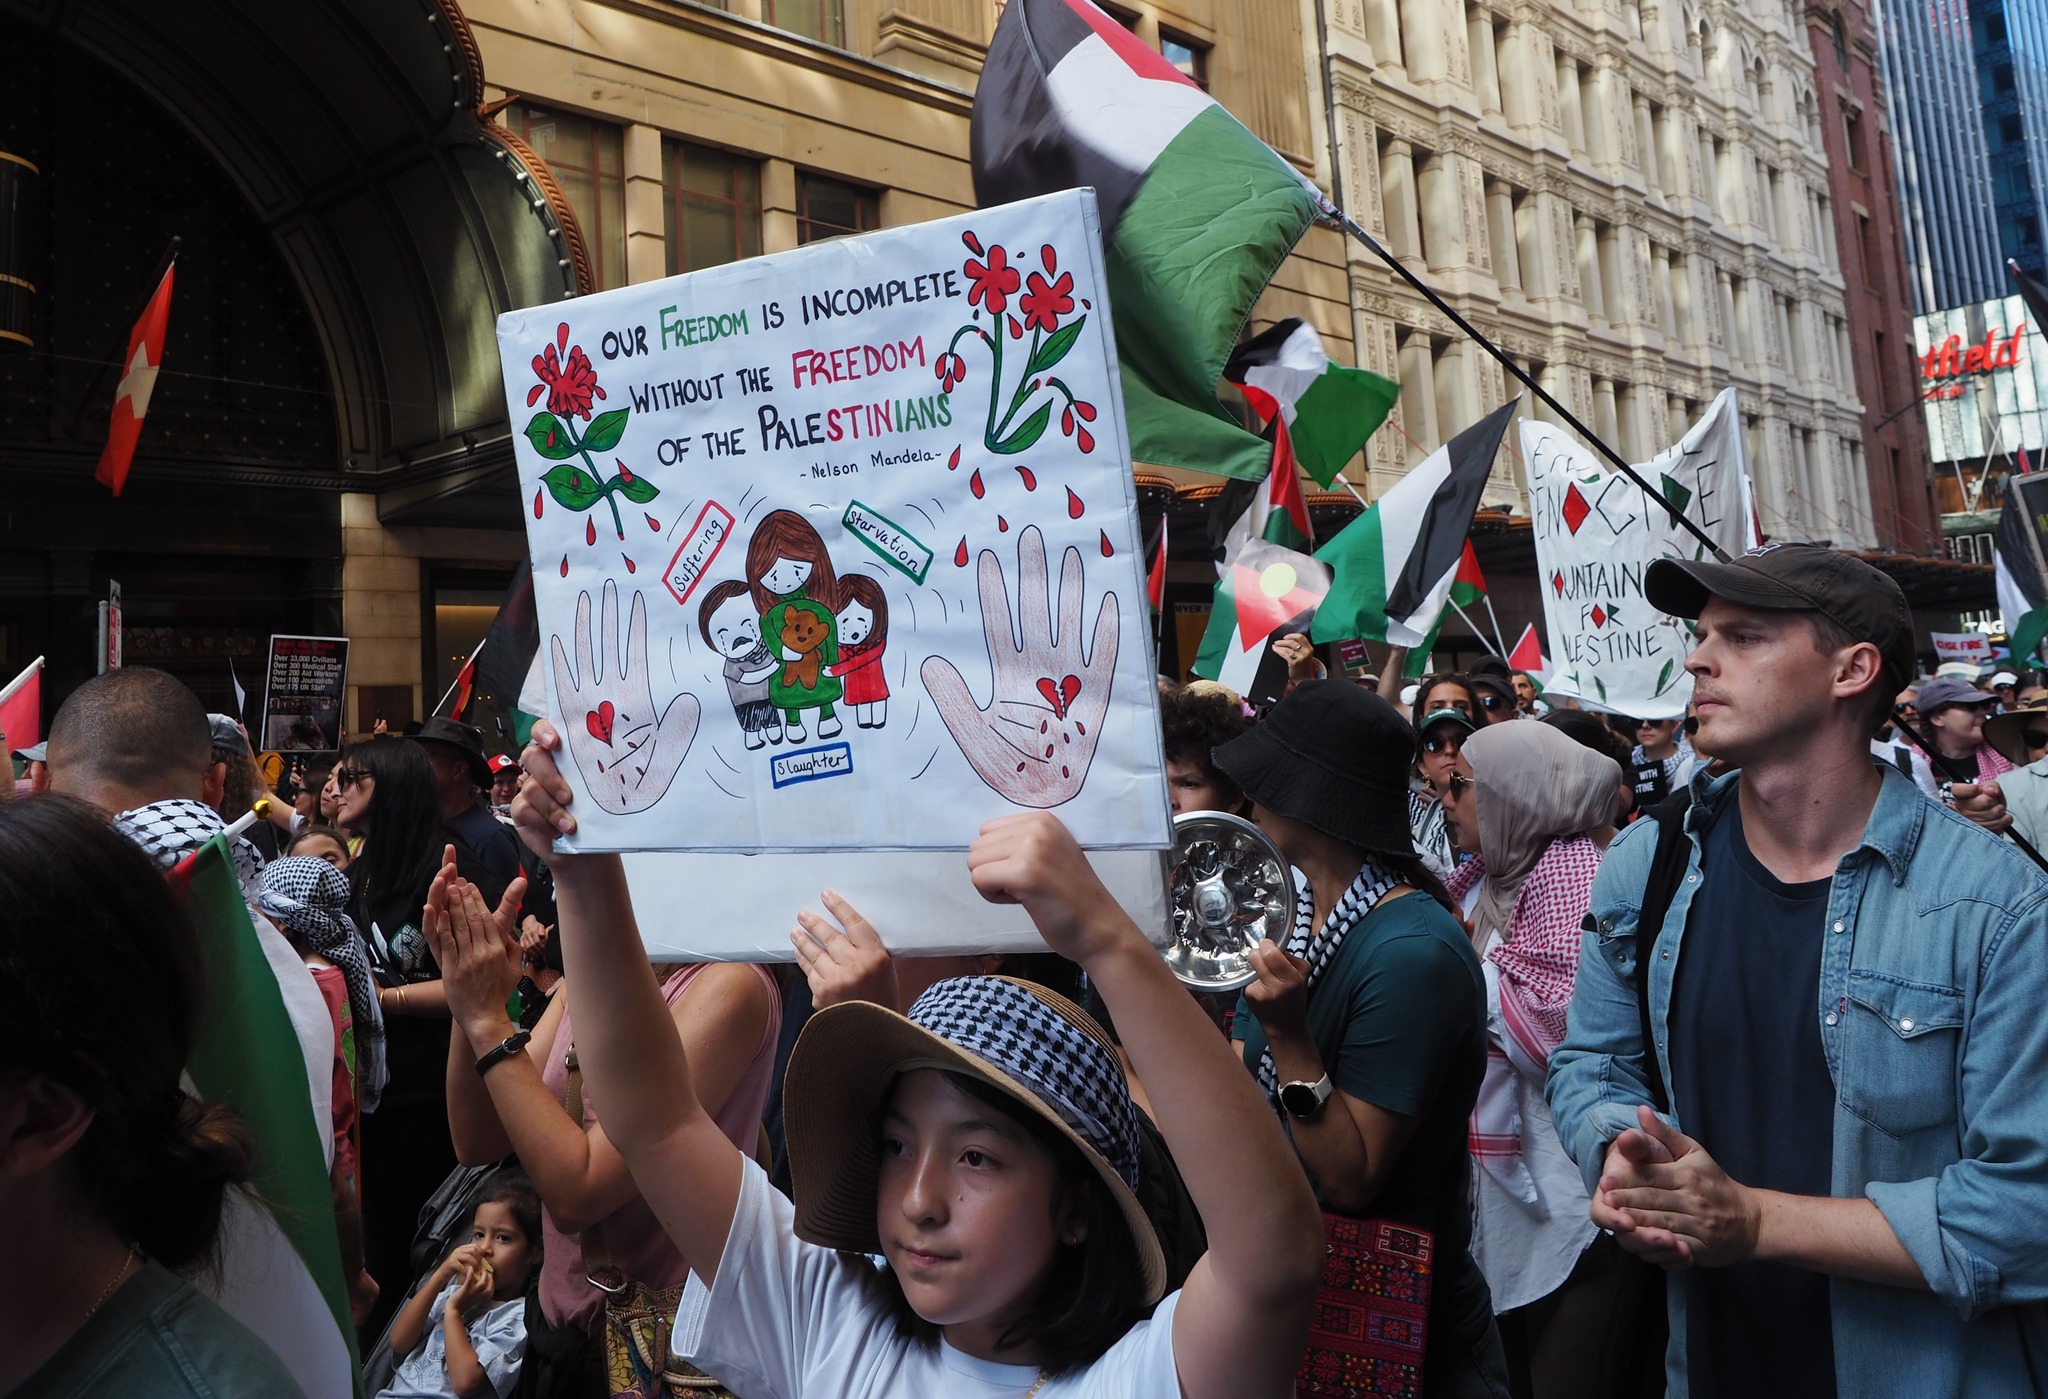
787, 1319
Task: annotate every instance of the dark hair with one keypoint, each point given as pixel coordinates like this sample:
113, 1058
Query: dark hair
719, 595
106, 981
1194, 726
134, 727
308, 832
860, 588
1417, 710
242, 783
509, 1186
1589, 730
402, 848
784, 534
1095, 1291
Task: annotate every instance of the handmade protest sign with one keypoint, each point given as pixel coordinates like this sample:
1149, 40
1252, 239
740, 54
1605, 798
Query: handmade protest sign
837, 548
1596, 535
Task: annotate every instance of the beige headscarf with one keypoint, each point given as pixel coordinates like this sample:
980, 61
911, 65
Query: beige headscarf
1534, 784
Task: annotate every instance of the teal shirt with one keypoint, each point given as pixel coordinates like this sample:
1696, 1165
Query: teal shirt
1399, 1018
158, 1336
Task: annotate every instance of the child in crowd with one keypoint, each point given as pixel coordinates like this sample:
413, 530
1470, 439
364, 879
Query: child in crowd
324, 842
985, 1146
464, 1332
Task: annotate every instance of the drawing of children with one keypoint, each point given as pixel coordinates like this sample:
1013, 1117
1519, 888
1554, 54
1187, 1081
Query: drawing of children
732, 629
788, 571
863, 632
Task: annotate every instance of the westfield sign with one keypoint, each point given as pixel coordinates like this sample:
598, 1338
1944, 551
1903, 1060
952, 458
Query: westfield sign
1950, 359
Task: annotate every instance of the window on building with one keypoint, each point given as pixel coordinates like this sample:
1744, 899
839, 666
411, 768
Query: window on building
1839, 32
1866, 247
1189, 56
588, 161
711, 205
2001, 77
828, 208
823, 20
2012, 128
1852, 135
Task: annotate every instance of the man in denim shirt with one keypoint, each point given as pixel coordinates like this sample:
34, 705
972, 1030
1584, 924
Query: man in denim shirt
1849, 1189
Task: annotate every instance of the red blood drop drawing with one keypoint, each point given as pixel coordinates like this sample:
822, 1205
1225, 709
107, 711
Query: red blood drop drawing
1048, 750
1107, 552
537, 494
1002, 525
1074, 506
1020, 767
974, 484
953, 462
1063, 772
1030, 481
625, 472
590, 531
960, 554
1043, 726
630, 566
565, 565
652, 523
1080, 728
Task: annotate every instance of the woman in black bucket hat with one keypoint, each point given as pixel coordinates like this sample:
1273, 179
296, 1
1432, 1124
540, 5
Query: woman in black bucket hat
1367, 1031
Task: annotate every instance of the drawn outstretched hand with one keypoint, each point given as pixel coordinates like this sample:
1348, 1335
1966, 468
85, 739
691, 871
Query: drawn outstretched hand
628, 754
1034, 739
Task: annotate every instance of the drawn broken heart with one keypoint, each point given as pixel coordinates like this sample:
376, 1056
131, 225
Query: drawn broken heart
599, 722
1060, 696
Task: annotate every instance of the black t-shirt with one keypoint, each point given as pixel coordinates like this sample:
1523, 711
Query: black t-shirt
1751, 1085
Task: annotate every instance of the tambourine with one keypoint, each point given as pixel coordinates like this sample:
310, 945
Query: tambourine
1229, 888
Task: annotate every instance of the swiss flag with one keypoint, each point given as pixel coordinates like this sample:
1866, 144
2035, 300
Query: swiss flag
138, 381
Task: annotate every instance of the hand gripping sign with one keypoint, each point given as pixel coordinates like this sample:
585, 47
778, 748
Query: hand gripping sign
836, 549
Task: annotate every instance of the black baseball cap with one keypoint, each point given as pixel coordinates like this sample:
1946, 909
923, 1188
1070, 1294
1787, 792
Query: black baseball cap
1796, 578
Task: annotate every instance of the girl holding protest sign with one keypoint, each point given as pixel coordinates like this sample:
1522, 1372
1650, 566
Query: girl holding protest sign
984, 1145
796, 591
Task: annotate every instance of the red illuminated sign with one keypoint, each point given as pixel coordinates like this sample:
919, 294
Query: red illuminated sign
1950, 358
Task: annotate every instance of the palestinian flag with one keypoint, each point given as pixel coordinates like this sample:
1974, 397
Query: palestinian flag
21, 711
1274, 510
1196, 211
1468, 587
2022, 595
280, 1272
1265, 593
1395, 563
1328, 410
1527, 656
507, 657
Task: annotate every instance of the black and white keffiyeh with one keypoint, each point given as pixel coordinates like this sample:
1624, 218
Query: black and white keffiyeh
1372, 884
1071, 1071
170, 830
305, 895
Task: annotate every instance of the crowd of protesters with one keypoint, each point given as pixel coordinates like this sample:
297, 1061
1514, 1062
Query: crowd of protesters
1693, 1053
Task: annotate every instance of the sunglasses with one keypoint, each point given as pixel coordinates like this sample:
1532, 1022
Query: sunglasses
1458, 786
1442, 743
1493, 701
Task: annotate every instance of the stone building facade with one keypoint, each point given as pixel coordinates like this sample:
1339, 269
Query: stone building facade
1629, 196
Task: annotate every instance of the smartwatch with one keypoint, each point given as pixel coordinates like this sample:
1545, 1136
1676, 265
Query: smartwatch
1305, 1100
516, 1041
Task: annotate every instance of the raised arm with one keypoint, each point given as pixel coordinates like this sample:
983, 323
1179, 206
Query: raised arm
635, 1068
1243, 1314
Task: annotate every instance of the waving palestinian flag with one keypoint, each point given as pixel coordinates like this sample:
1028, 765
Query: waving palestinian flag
1325, 409
1265, 593
2022, 594
1196, 211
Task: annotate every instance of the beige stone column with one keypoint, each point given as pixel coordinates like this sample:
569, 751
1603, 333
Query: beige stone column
1383, 31
1519, 104
1731, 337
1443, 224
1397, 198
778, 206
1418, 393
1661, 287
380, 605
1604, 422
1500, 228
1587, 249
646, 224
1646, 146
1557, 249
1422, 40
1571, 104
1486, 76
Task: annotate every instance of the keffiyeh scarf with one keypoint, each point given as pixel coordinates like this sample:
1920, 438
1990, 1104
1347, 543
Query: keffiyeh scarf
306, 895
168, 831
1319, 949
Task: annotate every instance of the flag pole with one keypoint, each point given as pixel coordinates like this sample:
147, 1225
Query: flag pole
1494, 617
117, 363
1470, 625
27, 674
1351, 226
458, 676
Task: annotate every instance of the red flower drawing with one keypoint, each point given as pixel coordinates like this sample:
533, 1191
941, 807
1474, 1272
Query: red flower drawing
1043, 303
570, 383
994, 284
950, 370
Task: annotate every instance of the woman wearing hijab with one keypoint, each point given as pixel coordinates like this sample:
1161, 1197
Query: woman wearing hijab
1527, 813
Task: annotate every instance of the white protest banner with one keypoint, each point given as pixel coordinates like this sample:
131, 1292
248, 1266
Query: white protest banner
1597, 533
837, 549
1971, 647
